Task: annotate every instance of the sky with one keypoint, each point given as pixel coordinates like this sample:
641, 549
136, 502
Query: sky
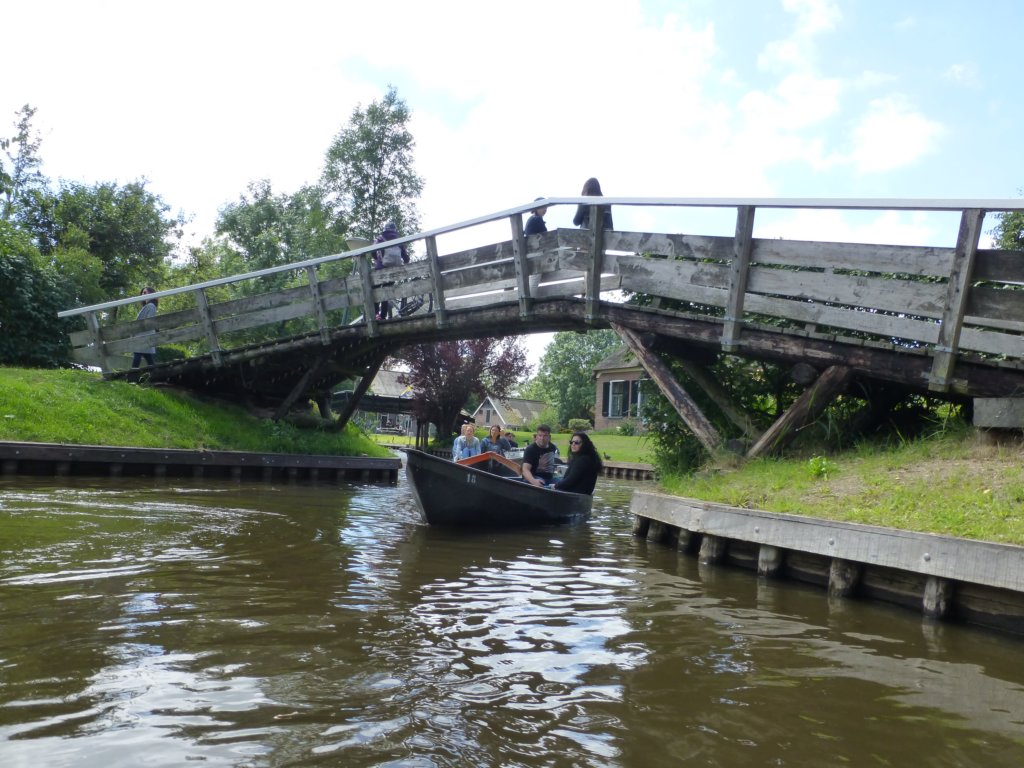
692, 98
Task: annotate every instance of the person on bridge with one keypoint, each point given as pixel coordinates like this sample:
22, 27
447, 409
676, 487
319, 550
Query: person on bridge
467, 444
584, 466
495, 442
391, 256
592, 188
539, 458
535, 224
148, 310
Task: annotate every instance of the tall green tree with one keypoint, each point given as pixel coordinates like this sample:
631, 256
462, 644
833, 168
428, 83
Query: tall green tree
565, 376
20, 166
369, 174
264, 229
32, 293
128, 229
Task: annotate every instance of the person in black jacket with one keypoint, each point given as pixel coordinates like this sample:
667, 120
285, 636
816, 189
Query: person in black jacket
592, 188
584, 466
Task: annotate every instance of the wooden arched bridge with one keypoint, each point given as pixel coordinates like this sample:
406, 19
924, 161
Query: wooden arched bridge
935, 318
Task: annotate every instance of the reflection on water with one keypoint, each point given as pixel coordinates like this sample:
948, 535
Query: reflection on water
266, 625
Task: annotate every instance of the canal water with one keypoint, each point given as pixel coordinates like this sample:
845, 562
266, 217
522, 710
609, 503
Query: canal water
209, 623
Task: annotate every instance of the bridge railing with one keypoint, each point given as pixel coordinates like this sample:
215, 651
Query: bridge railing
938, 300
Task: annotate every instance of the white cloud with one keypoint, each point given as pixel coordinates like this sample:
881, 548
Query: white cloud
892, 134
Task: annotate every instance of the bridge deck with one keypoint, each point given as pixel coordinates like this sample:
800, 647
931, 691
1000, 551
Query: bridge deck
942, 319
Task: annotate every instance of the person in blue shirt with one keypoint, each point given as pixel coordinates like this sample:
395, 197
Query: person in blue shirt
466, 445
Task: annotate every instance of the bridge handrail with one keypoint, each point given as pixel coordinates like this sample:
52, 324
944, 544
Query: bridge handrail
908, 204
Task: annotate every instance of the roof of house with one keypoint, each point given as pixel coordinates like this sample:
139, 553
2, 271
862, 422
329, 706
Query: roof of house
385, 384
514, 410
621, 358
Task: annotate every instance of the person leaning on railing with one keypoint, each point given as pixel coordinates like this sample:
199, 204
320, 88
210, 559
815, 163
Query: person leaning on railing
592, 188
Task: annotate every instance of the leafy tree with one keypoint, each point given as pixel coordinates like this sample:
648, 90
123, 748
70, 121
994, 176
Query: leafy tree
444, 375
30, 332
20, 174
565, 378
1009, 232
264, 229
368, 173
127, 228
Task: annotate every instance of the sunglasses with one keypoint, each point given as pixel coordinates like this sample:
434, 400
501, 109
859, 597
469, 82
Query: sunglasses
575, 442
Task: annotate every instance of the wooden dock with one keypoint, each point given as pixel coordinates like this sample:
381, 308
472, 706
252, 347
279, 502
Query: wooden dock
62, 460
943, 577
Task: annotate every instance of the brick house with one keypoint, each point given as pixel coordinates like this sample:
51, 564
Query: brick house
617, 380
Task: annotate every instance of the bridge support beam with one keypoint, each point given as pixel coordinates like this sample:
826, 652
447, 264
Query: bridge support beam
806, 409
302, 386
360, 390
687, 409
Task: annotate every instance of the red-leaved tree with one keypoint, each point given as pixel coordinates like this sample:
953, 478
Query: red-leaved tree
445, 374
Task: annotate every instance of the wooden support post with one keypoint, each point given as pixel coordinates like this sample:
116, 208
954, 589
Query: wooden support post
938, 596
302, 386
318, 304
680, 399
369, 310
739, 273
519, 255
770, 561
435, 273
712, 549
806, 409
703, 378
641, 525
956, 299
593, 297
657, 531
687, 541
205, 319
360, 390
843, 578
93, 324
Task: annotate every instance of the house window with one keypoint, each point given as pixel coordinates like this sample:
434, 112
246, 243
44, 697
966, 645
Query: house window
487, 415
618, 399
621, 399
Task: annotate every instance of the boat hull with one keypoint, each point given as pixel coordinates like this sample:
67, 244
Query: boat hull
451, 494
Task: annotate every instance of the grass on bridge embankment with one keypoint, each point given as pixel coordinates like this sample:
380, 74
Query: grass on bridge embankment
951, 483
79, 407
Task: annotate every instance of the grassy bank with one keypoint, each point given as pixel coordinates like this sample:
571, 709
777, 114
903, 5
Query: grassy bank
62, 406
951, 484
631, 449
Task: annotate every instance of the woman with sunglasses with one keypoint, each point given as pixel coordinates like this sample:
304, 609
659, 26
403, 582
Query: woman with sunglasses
584, 466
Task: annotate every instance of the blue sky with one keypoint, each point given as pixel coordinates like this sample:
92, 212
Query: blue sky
775, 98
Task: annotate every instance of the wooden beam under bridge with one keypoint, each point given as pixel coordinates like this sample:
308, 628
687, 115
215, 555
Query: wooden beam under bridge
680, 399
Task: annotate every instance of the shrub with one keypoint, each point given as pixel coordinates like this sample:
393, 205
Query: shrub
579, 425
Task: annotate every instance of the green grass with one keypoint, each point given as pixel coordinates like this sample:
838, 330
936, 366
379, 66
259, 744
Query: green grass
637, 450
949, 484
79, 407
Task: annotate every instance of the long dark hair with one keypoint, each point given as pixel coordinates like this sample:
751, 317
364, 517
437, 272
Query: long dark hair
586, 448
592, 188
147, 290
